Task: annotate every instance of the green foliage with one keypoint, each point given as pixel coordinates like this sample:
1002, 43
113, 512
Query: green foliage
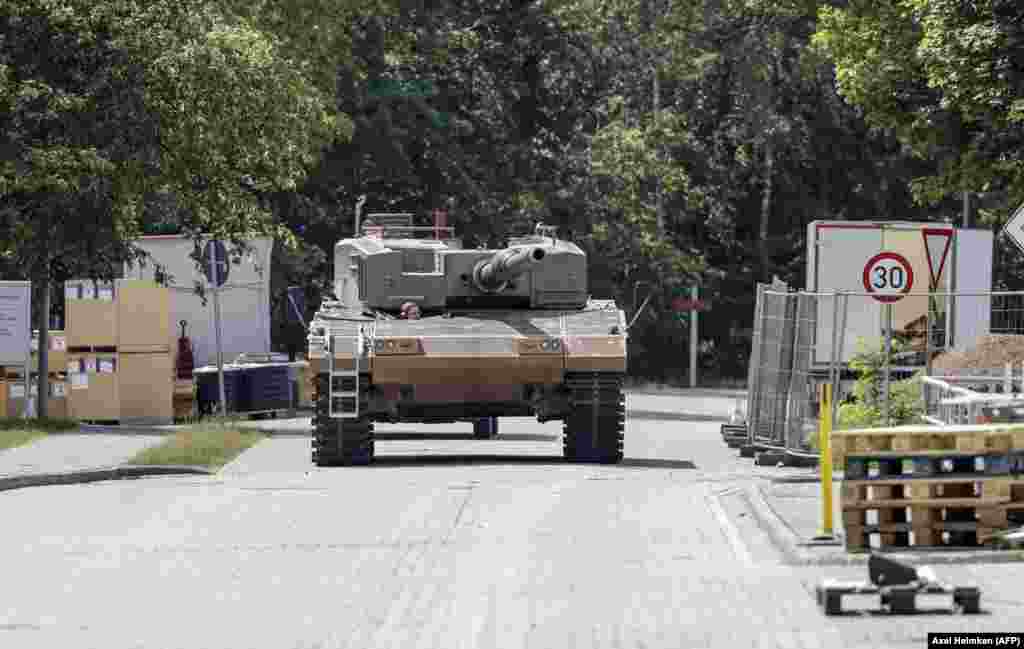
124, 116
211, 444
113, 101
18, 432
866, 411
50, 425
944, 77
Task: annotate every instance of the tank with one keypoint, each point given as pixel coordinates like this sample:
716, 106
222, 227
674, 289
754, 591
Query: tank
421, 330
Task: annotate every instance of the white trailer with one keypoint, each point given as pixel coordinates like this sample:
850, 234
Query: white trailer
941, 259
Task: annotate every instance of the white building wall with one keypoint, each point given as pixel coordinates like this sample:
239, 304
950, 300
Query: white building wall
244, 298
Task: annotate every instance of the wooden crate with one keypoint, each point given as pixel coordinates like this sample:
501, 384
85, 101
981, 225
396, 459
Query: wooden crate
58, 356
143, 314
306, 382
93, 395
91, 313
146, 386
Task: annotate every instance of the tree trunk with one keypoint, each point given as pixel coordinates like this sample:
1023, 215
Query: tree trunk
766, 211
44, 340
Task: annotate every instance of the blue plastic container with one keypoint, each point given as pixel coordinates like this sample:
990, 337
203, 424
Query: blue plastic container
268, 387
234, 390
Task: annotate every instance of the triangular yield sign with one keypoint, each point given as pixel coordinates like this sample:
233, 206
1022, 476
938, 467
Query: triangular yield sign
936, 244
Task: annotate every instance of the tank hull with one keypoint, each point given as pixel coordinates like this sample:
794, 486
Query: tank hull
471, 366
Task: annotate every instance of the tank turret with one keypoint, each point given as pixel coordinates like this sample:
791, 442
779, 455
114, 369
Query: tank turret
394, 266
494, 274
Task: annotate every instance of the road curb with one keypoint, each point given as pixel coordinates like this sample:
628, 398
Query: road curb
791, 546
266, 427
97, 475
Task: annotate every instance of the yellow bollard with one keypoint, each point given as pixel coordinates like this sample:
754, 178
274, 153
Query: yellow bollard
825, 461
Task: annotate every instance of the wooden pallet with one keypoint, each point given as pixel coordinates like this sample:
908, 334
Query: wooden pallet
969, 491
899, 464
897, 600
913, 439
943, 534
946, 522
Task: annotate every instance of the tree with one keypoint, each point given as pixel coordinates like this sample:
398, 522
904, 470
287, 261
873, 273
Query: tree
108, 103
946, 77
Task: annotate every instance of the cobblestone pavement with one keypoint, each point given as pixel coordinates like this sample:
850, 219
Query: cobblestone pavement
72, 452
443, 545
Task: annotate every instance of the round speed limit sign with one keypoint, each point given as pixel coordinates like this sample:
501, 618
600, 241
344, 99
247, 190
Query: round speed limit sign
888, 276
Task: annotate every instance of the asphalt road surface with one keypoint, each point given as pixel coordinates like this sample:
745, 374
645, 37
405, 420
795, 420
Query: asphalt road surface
446, 543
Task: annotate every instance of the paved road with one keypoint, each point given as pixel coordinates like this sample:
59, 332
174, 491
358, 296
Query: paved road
443, 544
73, 452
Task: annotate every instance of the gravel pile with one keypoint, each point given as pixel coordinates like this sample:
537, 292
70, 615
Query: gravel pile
991, 352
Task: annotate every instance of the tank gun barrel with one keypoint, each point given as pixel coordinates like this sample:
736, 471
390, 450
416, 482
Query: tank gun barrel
506, 265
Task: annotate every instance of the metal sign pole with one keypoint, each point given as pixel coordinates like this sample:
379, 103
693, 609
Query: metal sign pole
693, 339
26, 412
215, 281
885, 361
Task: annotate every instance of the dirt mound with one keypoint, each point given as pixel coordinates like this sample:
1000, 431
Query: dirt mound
991, 352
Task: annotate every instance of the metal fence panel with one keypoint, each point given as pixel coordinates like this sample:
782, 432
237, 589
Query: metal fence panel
753, 371
773, 370
802, 415
802, 340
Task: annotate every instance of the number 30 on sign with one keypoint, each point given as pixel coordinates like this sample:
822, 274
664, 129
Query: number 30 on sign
888, 276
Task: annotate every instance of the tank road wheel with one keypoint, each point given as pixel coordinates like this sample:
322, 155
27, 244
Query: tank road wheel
340, 442
486, 428
593, 430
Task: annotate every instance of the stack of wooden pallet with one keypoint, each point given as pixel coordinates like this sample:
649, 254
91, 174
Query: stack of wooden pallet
927, 486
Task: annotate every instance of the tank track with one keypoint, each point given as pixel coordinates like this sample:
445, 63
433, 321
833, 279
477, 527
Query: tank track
593, 432
341, 442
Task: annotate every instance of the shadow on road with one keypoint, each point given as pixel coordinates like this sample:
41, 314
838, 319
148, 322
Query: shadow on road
927, 612
449, 460
502, 437
652, 463
674, 416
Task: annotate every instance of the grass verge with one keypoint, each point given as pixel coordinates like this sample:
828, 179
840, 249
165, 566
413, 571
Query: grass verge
210, 444
18, 432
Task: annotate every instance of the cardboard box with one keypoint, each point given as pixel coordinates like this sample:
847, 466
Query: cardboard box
56, 407
306, 385
91, 315
93, 394
143, 313
58, 356
146, 386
